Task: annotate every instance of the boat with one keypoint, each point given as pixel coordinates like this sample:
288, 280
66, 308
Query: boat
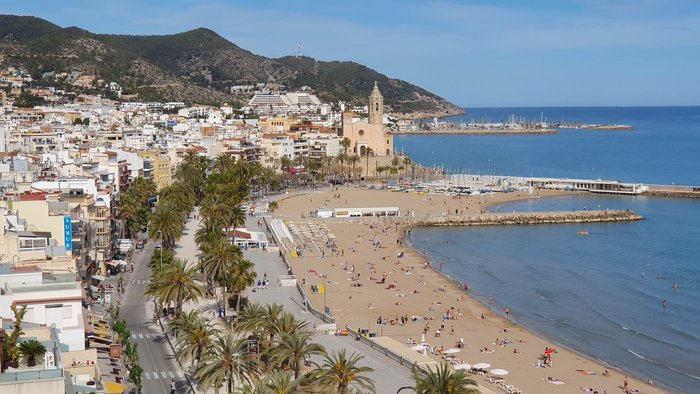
582, 232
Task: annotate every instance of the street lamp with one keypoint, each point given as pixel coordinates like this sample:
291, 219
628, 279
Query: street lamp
237, 356
306, 298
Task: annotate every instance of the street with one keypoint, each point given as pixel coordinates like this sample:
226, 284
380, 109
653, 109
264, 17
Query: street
155, 354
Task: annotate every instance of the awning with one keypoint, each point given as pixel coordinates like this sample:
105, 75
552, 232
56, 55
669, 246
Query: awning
114, 388
98, 277
115, 263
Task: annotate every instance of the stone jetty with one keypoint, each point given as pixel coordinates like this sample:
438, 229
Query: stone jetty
500, 219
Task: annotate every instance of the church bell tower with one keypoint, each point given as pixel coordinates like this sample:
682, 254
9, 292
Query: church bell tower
376, 106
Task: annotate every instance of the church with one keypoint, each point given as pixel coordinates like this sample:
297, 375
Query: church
364, 135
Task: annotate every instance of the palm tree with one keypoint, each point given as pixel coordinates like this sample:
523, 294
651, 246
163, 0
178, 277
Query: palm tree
176, 283
353, 160
338, 373
31, 349
220, 258
342, 158
443, 380
369, 152
240, 278
195, 338
215, 210
180, 196
345, 143
223, 163
280, 382
226, 362
236, 218
165, 222
292, 349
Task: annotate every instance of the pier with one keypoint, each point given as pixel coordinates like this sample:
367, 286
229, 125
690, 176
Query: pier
522, 218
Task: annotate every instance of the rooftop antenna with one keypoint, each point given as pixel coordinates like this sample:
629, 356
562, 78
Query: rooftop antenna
299, 50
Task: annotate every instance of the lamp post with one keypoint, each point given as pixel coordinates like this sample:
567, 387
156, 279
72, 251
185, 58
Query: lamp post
306, 298
237, 356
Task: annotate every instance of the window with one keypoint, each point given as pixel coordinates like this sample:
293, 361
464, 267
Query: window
361, 132
32, 244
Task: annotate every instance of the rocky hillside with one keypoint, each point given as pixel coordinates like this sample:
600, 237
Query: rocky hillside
197, 66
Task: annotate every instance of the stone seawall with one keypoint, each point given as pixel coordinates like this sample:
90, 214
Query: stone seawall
499, 219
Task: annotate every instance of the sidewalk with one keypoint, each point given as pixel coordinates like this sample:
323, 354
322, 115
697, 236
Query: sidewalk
388, 375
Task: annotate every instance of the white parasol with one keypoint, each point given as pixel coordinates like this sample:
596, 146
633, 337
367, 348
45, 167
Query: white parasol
462, 366
499, 372
452, 351
418, 348
481, 366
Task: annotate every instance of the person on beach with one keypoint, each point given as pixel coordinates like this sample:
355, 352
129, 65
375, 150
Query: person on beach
625, 383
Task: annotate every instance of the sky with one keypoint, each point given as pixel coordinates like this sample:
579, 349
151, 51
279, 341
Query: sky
487, 53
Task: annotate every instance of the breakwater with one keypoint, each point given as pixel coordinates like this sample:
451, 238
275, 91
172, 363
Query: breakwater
515, 218
484, 131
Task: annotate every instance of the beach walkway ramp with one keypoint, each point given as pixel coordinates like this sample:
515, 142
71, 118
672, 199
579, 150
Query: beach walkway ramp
395, 349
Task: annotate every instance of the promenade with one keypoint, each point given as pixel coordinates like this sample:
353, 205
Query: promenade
388, 375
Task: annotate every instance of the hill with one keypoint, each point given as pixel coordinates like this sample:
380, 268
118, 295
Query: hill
197, 66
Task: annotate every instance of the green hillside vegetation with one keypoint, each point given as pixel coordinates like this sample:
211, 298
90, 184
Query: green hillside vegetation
196, 66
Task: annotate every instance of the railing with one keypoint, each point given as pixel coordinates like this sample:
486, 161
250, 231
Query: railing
384, 350
31, 375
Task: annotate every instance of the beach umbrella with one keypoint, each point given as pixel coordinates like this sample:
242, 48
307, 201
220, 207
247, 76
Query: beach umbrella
549, 351
481, 366
499, 372
451, 351
418, 348
462, 366
422, 338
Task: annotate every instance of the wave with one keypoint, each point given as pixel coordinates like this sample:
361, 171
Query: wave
639, 356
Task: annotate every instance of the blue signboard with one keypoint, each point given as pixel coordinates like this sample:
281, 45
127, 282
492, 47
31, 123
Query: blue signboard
67, 233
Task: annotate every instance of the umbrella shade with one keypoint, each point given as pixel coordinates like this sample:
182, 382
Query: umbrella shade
418, 348
499, 372
451, 351
548, 351
462, 366
481, 366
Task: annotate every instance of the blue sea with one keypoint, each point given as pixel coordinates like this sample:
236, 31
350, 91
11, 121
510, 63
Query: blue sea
601, 294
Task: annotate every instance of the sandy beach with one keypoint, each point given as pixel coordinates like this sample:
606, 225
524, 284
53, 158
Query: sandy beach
392, 287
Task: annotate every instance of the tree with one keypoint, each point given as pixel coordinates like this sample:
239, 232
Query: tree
338, 373
220, 258
345, 143
176, 283
240, 278
10, 350
443, 380
31, 349
226, 362
195, 336
179, 196
293, 349
369, 152
281, 382
236, 218
272, 206
353, 160
165, 223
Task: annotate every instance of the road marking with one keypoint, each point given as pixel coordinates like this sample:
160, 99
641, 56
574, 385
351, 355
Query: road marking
179, 373
172, 375
147, 375
140, 336
163, 375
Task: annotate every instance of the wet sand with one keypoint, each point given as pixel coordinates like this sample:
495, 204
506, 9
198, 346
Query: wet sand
411, 289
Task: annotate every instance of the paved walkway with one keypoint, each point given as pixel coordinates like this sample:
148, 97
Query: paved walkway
388, 375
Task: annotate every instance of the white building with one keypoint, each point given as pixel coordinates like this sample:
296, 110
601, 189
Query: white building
51, 299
